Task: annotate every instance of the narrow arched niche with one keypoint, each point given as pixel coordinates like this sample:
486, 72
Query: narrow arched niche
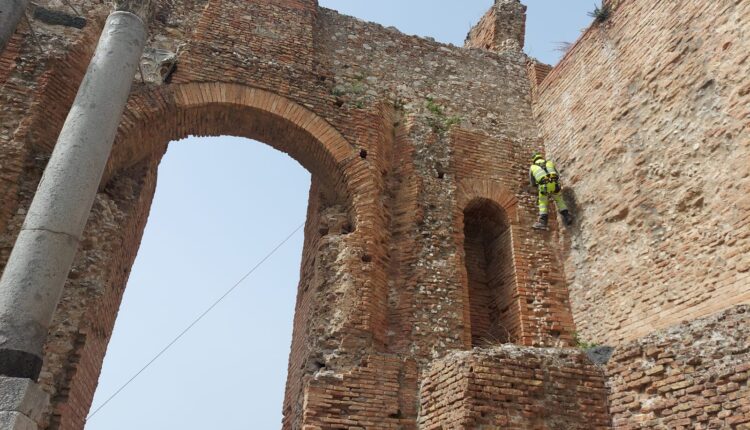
488, 257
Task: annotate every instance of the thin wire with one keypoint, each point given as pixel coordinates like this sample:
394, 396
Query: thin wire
71, 6
33, 34
200, 317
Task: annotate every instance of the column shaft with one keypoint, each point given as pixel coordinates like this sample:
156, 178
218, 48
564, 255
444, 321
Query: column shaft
38, 266
11, 12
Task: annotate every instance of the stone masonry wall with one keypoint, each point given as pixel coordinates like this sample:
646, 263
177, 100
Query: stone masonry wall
647, 116
513, 387
691, 376
401, 135
502, 27
406, 139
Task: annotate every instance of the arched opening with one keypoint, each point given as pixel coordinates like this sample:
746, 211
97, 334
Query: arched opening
221, 204
493, 313
342, 216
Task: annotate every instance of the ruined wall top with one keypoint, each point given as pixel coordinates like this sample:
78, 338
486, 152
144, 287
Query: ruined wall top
502, 28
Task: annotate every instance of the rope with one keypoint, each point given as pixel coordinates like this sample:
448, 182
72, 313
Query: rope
192, 324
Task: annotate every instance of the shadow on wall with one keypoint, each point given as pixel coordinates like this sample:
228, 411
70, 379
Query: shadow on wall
489, 266
566, 233
569, 194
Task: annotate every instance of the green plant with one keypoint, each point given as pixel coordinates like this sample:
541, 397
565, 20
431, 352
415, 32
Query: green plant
578, 342
434, 107
438, 121
337, 91
436, 125
451, 121
359, 104
601, 14
357, 87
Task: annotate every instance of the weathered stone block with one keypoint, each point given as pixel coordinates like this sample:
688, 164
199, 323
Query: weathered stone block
16, 421
23, 396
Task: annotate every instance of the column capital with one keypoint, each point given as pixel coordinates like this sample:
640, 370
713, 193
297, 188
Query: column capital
142, 8
22, 401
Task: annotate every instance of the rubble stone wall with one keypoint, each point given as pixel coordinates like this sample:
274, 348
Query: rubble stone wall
418, 152
401, 134
647, 116
692, 376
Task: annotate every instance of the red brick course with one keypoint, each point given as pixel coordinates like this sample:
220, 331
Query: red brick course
418, 240
513, 387
647, 117
692, 376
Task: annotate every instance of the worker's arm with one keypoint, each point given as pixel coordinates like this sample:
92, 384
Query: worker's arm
532, 181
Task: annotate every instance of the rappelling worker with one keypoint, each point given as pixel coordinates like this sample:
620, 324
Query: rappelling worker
543, 176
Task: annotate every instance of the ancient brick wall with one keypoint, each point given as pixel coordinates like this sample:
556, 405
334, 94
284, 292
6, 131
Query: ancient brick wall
647, 118
401, 136
691, 376
418, 240
502, 27
513, 387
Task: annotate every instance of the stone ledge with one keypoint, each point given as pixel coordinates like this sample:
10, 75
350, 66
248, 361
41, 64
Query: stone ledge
514, 386
693, 375
16, 421
22, 396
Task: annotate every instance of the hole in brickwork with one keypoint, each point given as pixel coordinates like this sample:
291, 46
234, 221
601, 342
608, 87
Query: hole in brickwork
168, 73
440, 171
366, 258
491, 279
363, 153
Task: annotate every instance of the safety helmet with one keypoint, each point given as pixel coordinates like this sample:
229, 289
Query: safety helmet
537, 156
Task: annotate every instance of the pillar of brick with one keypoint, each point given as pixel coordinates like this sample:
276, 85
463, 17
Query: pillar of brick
502, 28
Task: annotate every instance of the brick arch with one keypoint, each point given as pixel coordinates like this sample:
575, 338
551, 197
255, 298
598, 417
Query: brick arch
495, 200
156, 117
473, 189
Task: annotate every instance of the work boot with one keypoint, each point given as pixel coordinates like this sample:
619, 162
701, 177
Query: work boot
542, 223
567, 217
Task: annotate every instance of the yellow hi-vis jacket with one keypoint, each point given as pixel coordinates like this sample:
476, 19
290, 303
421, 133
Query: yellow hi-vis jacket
542, 173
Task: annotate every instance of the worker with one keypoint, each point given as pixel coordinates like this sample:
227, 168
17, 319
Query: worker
544, 177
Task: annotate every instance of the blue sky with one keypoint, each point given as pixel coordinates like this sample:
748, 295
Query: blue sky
221, 205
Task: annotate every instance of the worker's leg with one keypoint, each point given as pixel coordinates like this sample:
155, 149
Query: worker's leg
543, 203
560, 202
563, 208
543, 209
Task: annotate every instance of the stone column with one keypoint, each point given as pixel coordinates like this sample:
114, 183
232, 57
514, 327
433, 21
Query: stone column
11, 12
22, 404
38, 266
